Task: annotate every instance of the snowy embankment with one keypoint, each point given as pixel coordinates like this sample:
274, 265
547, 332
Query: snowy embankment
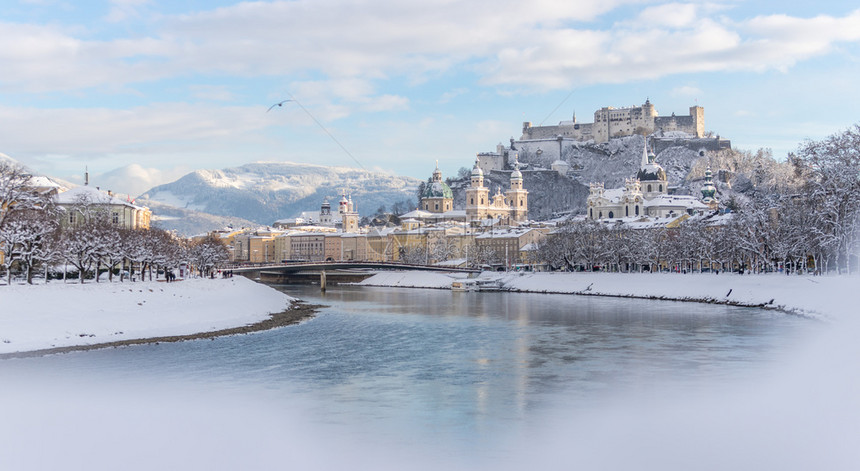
818, 296
65, 315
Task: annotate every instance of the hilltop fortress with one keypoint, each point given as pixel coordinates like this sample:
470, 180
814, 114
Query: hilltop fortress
612, 122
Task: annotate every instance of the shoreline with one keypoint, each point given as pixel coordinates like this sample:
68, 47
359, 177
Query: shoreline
822, 298
295, 314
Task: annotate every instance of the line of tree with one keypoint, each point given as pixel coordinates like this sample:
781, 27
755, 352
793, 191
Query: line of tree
32, 237
813, 222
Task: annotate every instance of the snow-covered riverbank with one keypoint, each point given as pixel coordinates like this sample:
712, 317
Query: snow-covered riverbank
819, 296
60, 315
65, 315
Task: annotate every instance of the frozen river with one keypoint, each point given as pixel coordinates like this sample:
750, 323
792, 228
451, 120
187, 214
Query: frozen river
465, 379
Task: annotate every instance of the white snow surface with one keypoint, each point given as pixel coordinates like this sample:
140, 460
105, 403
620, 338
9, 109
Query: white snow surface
61, 314
825, 297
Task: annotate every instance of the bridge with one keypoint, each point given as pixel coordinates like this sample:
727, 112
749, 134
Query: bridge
320, 266
334, 272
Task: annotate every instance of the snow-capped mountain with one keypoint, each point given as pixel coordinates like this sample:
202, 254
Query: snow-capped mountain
267, 191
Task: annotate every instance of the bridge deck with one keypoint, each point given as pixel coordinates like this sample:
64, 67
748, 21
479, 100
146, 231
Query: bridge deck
319, 266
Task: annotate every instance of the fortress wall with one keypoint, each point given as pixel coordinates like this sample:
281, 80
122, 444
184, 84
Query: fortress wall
695, 144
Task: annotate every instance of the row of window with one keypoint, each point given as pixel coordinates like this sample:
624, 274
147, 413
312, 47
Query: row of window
73, 218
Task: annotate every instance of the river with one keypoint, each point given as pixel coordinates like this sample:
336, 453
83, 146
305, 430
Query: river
455, 376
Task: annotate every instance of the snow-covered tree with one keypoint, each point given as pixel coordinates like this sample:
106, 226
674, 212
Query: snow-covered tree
24, 237
208, 254
16, 191
831, 168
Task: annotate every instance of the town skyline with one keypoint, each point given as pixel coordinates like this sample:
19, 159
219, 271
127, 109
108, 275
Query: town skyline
154, 90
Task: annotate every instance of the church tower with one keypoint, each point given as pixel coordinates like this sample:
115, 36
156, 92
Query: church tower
325, 213
477, 195
517, 196
709, 190
632, 198
348, 215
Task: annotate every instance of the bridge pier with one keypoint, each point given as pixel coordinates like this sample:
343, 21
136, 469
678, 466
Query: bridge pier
322, 281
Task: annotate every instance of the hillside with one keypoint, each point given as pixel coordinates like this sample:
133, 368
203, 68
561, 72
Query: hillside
267, 191
188, 222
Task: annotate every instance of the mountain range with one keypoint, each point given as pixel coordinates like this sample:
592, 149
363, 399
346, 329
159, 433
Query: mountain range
264, 192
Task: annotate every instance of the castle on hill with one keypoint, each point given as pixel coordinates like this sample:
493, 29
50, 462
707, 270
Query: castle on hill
612, 122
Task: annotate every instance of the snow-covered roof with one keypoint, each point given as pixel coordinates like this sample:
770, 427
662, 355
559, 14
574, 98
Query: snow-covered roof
613, 195
91, 195
678, 201
504, 233
417, 214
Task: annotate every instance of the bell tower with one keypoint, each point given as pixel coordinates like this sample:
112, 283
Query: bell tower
517, 196
477, 195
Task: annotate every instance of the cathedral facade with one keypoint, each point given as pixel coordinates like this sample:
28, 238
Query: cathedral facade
513, 205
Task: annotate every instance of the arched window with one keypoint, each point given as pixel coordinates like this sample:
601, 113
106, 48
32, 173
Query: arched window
611, 215
627, 211
591, 213
637, 210
600, 215
649, 187
661, 188
471, 200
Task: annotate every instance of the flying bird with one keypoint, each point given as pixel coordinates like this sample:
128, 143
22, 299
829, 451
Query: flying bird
277, 104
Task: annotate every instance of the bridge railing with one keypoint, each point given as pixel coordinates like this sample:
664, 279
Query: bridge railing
246, 266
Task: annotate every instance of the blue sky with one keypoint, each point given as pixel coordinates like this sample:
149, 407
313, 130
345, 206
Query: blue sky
141, 92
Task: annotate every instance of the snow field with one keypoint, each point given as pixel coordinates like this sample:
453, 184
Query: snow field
69, 314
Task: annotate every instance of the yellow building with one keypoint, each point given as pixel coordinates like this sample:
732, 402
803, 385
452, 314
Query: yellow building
345, 247
261, 249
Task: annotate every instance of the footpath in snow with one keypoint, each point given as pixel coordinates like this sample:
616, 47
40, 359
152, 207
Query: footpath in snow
58, 314
817, 296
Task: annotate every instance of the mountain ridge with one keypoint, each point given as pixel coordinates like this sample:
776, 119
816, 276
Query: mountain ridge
264, 192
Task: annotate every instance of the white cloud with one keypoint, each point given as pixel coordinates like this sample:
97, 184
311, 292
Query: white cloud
687, 91
122, 10
212, 92
672, 15
355, 43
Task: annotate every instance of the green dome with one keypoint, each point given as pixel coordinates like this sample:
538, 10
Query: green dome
437, 190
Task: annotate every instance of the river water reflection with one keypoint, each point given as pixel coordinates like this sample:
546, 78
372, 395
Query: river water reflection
473, 365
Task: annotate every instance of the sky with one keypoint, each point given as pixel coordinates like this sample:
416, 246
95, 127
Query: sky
140, 92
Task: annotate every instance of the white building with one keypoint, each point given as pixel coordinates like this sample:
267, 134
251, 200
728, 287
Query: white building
645, 195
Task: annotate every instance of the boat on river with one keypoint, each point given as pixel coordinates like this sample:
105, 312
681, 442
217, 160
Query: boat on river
476, 285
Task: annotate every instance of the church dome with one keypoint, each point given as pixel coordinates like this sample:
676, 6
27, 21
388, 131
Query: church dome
516, 174
476, 170
437, 190
651, 170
